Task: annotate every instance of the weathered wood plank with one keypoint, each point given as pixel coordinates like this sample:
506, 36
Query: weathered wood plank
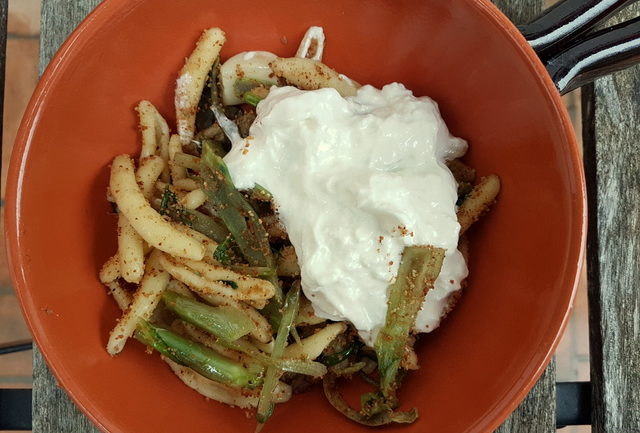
53, 411
58, 19
520, 11
537, 413
611, 111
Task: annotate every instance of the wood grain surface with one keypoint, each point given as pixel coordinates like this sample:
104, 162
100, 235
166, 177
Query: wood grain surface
53, 412
611, 110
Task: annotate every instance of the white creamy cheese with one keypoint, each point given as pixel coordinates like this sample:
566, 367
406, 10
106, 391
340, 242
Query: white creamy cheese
355, 180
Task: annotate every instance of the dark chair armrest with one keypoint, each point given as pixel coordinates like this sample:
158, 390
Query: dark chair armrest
15, 409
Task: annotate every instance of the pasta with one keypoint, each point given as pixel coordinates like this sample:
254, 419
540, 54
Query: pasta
148, 223
144, 301
130, 251
309, 74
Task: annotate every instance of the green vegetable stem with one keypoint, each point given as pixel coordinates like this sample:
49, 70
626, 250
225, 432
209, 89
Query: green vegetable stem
197, 357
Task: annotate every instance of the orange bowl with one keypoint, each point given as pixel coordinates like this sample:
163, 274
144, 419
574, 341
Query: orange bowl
492, 90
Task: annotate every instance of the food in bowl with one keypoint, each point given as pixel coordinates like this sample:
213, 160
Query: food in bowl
298, 227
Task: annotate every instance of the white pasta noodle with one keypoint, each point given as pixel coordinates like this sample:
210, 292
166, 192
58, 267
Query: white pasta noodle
149, 170
145, 300
205, 286
147, 118
163, 134
312, 346
308, 74
243, 398
149, 224
312, 44
122, 297
175, 146
478, 201
262, 332
110, 271
209, 244
186, 184
130, 251
199, 336
194, 199
250, 288
180, 288
192, 79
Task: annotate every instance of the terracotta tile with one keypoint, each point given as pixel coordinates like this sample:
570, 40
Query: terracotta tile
564, 367
12, 325
24, 17
576, 429
21, 79
573, 102
564, 354
584, 370
572, 354
581, 317
15, 369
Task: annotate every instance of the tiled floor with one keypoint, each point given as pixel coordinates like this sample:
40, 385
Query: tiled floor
22, 67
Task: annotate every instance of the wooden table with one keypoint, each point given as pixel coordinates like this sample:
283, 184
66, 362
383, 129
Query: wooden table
612, 162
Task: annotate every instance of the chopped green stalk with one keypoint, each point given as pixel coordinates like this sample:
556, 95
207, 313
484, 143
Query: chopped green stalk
350, 370
296, 336
197, 357
299, 366
253, 271
216, 146
168, 199
222, 254
338, 357
239, 217
204, 116
260, 193
383, 416
419, 268
290, 311
187, 161
243, 85
237, 214
225, 323
251, 98
204, 224
196, 220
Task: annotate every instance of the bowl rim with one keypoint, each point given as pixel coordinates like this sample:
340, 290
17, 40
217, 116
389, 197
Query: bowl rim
23, 141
